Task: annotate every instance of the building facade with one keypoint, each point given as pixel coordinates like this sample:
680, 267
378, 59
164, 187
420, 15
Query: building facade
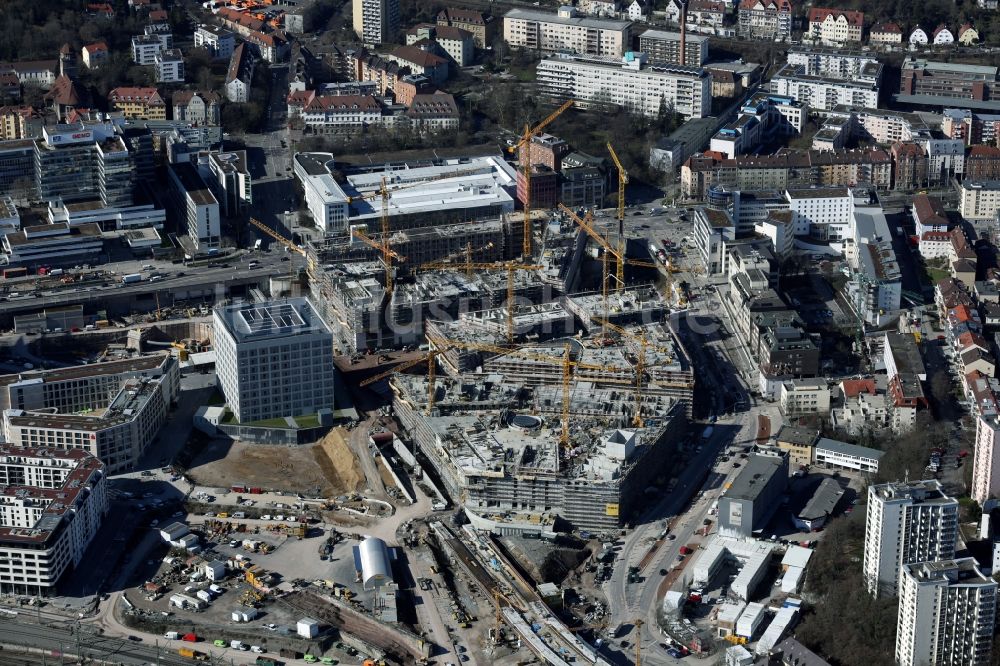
566, 32
375, 21
947, 611
195, 207
664, 48
906, 523
52, 503
275, 359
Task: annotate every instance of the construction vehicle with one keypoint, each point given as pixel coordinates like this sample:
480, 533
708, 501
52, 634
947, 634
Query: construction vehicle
525, 142
192, 654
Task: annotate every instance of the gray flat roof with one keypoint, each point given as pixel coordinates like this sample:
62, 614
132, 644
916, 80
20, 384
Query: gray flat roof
667, 36
755, 476
797, 435
950, 102
274, 319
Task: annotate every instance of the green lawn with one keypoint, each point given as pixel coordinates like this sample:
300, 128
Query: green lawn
937, 274
307, 421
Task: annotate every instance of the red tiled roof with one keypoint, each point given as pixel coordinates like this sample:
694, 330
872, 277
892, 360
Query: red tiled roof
767, 5
980, 150
890, 27
344, 103
820, 14
158, 16
854, 387
149, 96
929, 210
939, 29
418, 57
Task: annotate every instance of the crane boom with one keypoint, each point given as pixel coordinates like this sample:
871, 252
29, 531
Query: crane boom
277, 236
617, 252
406, 365
525, 141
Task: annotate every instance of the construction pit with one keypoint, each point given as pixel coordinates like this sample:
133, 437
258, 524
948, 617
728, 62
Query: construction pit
325, 469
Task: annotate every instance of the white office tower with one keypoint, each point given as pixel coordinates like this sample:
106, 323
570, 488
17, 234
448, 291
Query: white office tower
274, 359
906, 523
946, 614
986, 461
375, 21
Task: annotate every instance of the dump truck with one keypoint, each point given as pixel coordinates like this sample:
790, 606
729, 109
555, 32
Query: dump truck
192, 654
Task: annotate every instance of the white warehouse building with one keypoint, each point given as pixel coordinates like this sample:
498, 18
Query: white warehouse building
628, 82
51, 506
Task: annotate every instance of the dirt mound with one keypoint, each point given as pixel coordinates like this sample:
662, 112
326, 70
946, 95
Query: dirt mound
338, 463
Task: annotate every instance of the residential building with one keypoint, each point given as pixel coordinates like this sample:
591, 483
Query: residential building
195, 207
268, 46
835, 26
637, 10
906, 523
924, 81
982, 163
765, 19
18, 122
274, 359
799, 397
375, 21
420, 62
53, 503
797, 443
169, 65
885, 33
874, 288
986, 460
712, 230
918, 37
664, 48
631, 84
707, 17
433, 113
138, 103
457, 43
931, 225
968, 36
832, 62
942, 35
196, 107
145, 48
94, 55
482, 26
823, 213
599, 8
219, 42
748, 503
821, 93
239, 75
904, 368
947, 611
979, 200
565, 32
118, 435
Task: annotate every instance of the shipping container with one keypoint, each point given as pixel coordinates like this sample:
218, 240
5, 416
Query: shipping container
132, 278
14, 272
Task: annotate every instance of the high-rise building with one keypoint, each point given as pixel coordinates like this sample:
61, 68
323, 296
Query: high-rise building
375, 21
946, 614
274, 359
906, 523
986, 461
80, 162
195, 207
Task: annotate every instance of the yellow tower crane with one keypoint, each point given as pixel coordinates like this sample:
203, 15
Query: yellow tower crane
310, 268
525, 142
565, 361
510, 266
638, 642
619, 255
465, 253
622, 182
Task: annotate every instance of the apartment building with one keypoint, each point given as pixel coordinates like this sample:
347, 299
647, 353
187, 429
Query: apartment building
275, 359
979, 200
458, 44
94, 55
906, 523
799, 397
835, 27
986, 460
375, 21
217, 41
83, 162
196, 107
765, 19
629, 83
145, 48
824, 93
712, 230
138, 103
227, 175
566, 32
936, 82
885, 34
947, 611
482, 26
52, 503
761, 119
195, 207
118, 436
169, 64
664, 48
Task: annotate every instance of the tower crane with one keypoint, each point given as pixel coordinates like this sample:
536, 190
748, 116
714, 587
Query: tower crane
622, 182
387, 253
510, 266
525, 141
565, 361
638, 642
430, 359
465, 253
618, 253
310, 267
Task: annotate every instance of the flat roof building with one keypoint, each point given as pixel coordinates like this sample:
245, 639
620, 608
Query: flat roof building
52, 503
564, 31
195, 207
749, 502
664, 48
274, 359
906, 522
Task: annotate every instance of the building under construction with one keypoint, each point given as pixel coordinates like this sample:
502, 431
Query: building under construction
495, 443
